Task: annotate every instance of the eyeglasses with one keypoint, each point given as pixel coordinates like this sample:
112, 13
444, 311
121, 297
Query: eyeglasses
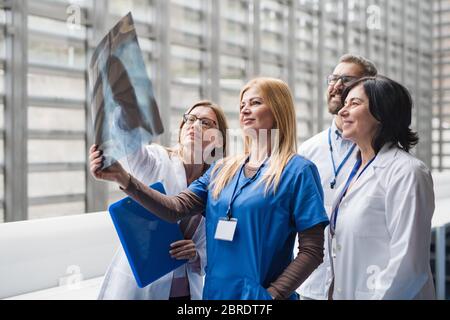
332, 79
206, 123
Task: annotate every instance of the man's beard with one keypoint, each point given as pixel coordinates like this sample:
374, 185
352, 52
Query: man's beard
334, 106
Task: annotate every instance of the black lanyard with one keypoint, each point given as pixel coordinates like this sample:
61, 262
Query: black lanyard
234, 195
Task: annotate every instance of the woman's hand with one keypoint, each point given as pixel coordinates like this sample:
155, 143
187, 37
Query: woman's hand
183, 250
114, 173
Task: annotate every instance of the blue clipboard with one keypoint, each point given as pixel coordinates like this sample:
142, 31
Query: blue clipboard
145, 239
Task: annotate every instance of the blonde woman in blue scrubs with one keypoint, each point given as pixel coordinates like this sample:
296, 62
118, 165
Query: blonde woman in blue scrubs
254, 203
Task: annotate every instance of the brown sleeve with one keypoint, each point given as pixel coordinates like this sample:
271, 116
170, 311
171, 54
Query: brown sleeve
309, 257
168, 208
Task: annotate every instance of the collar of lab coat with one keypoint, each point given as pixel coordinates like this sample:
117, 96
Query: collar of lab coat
180, 171
385, 156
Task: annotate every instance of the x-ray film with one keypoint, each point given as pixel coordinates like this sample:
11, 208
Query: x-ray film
124, 109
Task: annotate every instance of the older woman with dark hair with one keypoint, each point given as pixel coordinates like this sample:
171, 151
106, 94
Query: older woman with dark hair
381, 219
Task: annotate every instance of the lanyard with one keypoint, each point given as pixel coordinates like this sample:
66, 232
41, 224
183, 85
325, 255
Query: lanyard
336, 171
344, 191
235, 194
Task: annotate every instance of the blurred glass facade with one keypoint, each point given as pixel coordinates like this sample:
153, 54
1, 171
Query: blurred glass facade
195, 49
441, 98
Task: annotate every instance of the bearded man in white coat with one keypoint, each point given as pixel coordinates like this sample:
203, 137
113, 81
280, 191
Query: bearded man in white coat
334, 158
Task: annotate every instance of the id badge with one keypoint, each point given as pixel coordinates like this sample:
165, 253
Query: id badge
226, 229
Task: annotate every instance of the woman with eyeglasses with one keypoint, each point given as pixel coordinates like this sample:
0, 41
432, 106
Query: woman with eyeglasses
201, 139
255, 203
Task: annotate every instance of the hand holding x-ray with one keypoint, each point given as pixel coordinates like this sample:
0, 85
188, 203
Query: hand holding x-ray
124, 109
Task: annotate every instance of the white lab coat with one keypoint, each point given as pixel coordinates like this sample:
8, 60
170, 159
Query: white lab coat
149, 165
317, 150
381, 248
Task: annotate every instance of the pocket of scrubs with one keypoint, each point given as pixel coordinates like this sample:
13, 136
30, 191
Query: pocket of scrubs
254, 291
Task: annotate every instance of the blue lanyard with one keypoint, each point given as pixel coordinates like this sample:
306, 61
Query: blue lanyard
336, 171
344, 191
235, 194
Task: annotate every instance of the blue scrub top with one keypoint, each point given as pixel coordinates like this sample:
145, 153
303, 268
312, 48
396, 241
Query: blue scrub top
267, 225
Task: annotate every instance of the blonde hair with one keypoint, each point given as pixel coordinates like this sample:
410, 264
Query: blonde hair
222, 126
277, 96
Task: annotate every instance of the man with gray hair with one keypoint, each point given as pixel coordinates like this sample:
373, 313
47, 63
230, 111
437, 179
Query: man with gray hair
334, 158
